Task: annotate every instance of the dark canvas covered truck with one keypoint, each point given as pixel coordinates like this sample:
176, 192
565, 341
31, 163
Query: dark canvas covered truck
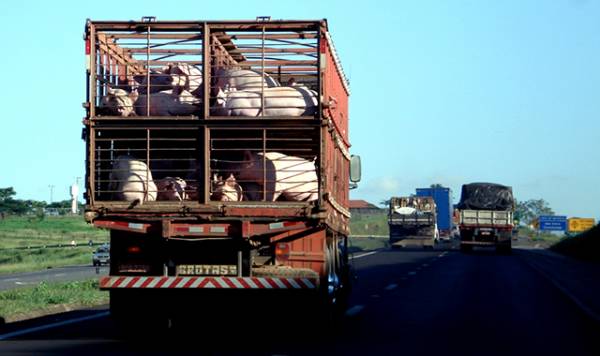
486, 216
218, 157
412, 221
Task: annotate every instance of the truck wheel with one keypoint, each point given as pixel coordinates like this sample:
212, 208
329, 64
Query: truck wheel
504, 249
136, 314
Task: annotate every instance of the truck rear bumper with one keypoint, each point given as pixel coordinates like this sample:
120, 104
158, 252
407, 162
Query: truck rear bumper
479, 243
160, 282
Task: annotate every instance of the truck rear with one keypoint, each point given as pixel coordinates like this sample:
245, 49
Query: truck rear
412, 221
218, 157
444, 210
486, 216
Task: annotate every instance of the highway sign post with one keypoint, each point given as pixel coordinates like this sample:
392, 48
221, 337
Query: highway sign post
552, 223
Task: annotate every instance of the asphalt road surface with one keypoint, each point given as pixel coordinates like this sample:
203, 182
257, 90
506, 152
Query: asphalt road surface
414, 302
59, 274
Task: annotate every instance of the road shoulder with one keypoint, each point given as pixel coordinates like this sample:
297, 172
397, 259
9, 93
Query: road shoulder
578, 280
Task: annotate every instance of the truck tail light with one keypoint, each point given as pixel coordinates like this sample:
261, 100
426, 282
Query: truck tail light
88, 49
282, 251
133, 249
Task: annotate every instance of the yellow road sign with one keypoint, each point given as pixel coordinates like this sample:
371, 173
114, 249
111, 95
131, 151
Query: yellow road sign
581, 224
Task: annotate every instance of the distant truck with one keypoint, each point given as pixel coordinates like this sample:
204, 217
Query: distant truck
486, 216
443, 201
412, 221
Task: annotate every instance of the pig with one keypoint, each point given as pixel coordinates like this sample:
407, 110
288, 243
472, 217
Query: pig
186, 77
171, 188
280, 101
118, 102
241, 79
182, 76
168, 102
132, 180
292, 178
226, 190
160, 79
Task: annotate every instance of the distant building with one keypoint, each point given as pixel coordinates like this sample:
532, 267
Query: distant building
364, 207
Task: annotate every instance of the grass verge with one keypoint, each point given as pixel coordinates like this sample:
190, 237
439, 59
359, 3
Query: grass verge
369, 224
585, 246
15, 261
18, 233
45, 297
367, 243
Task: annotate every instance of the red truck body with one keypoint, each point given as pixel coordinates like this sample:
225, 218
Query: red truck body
199, 242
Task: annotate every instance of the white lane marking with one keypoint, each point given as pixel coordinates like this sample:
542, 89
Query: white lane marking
59, 274
412, 273
391, 286
354, 310
366, 254
53, 325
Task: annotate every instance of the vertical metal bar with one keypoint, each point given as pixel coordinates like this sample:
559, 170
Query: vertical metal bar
264, 150
262, 74
205, 175
206, 66
323, 133
92, 73
147, 188
239, 264
148, 71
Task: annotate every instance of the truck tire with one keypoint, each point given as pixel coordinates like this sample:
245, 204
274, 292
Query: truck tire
135, 314
504, 249
466, 248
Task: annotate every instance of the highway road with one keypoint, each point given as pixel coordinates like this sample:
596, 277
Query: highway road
59, 274
413, 302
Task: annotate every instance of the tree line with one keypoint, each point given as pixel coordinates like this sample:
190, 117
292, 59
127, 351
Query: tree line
11, 206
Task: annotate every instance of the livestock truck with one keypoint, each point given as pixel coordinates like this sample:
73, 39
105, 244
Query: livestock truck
485, 214
444, 210
412, 221
201, 197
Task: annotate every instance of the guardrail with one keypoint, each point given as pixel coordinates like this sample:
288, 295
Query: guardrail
69, 245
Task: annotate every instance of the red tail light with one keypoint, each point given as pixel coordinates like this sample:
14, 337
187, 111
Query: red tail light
133, 249
87, 47
282, 251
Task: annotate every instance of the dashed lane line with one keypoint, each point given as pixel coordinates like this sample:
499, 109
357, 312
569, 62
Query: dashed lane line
354, 310
391, 286
366, 254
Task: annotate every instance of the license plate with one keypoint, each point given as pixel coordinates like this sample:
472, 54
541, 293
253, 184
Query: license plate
207, 270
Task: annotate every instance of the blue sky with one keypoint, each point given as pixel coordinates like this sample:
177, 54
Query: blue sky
445, 92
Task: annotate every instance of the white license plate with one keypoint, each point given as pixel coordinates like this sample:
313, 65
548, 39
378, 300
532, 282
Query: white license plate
207, 270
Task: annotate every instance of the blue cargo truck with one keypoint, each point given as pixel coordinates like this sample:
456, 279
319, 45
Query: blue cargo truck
443, 201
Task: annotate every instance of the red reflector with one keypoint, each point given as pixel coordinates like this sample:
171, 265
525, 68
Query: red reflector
87, 47
323, 46
282, 250
133, 249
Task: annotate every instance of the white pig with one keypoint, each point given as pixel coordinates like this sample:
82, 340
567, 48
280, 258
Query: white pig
241, 79
293, 178
280, 101
168, 102
132, 180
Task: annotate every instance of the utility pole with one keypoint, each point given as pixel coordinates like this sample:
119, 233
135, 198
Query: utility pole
74, 195
51, 192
